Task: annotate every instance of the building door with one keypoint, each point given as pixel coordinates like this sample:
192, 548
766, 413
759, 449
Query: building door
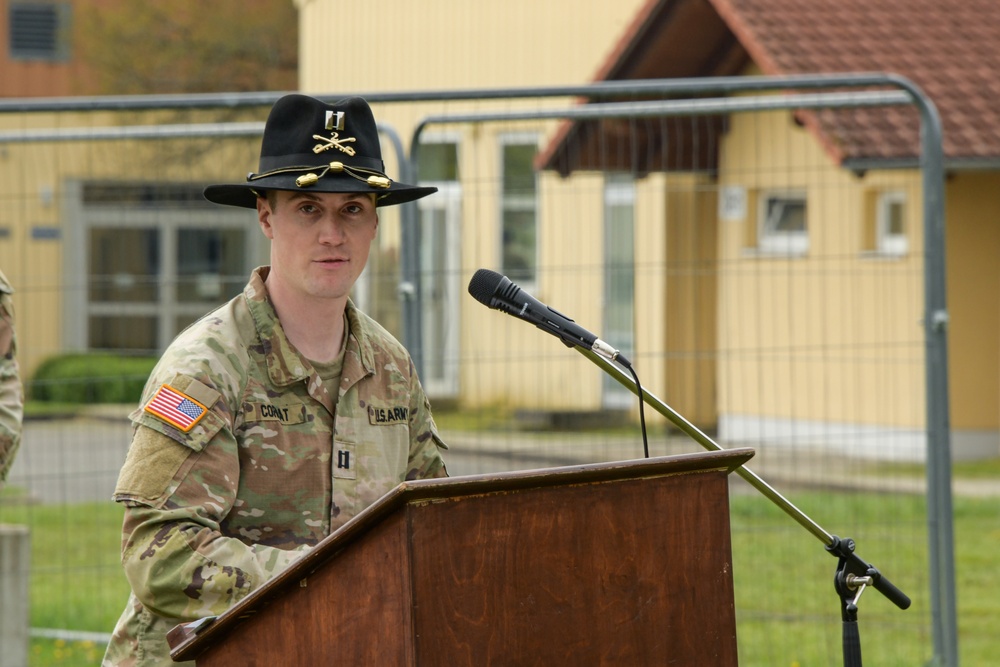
440, 289
440, 265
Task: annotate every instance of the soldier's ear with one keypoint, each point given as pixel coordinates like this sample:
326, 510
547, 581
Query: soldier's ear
264, 214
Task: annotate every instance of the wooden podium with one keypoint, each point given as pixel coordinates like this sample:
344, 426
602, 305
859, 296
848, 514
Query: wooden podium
624, 563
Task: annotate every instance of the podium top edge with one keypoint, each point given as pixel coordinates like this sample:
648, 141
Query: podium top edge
726, 460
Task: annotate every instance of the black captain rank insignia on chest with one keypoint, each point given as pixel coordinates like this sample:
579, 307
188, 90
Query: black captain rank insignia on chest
345, 460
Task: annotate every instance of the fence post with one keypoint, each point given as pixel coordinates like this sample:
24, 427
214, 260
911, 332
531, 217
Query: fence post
15, 570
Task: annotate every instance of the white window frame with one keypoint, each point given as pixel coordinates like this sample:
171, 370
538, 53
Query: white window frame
774, 242
886, 242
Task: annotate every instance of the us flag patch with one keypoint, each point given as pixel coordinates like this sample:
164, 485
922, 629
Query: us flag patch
175, 408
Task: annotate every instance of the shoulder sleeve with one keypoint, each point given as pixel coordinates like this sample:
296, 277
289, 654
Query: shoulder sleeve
177, 420
426, 444
11, 393
183, 409
8, 347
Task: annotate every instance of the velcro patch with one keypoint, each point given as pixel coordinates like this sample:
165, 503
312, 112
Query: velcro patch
176, 408
345, 463
389, 415
292, 414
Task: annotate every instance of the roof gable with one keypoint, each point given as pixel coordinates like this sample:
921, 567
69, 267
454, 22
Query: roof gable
949, 48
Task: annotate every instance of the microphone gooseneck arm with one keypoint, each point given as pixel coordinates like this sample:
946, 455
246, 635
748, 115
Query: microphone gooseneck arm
851, 565
853, 574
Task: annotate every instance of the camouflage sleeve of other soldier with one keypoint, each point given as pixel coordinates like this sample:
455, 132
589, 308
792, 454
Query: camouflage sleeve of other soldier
11, 394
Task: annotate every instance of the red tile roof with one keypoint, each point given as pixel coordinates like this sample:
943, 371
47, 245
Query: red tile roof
949, 48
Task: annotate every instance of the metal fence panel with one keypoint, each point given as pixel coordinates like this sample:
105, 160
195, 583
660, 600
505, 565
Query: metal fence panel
756, 285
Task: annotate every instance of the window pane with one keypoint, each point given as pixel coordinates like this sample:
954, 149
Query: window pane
518, 214
786, 215
783, 226
519, 245
518, 169
121, 332
619, 254
210, 264
434, 286
124, 264
892, 224
894, 218
620, 258
619, 278
438, 162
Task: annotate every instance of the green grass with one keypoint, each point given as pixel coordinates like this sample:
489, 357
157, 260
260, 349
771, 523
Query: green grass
784, 579
985, 469
787, 610
49, 410
65, 653
76, 577
978, 469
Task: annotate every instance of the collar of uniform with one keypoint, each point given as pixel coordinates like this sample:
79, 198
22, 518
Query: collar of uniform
285, 365
359, 330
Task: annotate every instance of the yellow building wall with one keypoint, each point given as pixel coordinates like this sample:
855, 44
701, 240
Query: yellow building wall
514, 363
690, 304
972, 201
865, 309
833, 336
446, 45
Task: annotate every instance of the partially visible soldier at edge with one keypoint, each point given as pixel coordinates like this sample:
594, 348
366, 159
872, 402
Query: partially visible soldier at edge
11, 392
263, 427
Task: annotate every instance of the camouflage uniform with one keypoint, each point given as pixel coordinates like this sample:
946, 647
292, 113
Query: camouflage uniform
11, 394
264, 472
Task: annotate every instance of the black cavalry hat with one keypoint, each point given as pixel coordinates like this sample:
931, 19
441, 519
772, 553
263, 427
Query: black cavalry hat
313, 146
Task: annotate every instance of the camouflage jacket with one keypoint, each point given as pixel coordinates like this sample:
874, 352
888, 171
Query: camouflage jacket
238, 465
11, 394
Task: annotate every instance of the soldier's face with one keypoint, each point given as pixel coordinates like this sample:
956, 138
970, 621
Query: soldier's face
319, 241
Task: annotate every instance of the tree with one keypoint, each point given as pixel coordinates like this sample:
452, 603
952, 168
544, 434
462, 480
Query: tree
188, 46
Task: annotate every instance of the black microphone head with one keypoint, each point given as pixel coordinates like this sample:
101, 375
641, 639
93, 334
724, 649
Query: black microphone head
484, 285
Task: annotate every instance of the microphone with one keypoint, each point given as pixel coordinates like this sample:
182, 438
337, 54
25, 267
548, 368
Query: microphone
498, 292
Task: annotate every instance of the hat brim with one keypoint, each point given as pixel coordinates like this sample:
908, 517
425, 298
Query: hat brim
244, 195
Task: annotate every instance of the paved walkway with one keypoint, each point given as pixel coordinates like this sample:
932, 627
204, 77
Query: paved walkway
780, 467
77, 460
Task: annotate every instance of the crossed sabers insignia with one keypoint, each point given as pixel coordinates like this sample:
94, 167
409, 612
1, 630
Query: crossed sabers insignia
334, 142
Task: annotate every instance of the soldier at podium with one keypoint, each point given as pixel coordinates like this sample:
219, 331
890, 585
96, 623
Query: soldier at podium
276, 418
